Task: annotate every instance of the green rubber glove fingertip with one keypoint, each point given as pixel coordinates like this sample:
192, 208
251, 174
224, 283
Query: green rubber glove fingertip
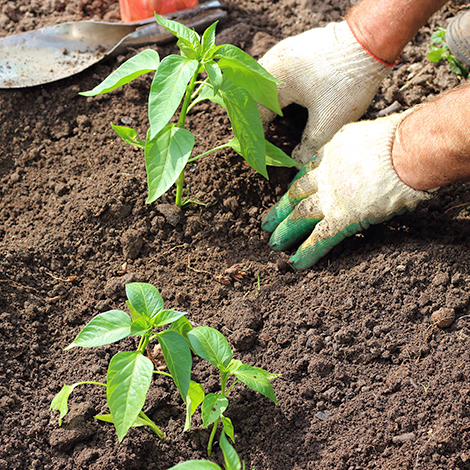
278, 213
270, 222
304, 259
291, 231
310, 253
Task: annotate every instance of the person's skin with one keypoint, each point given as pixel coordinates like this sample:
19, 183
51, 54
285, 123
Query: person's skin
385, 28
432, 147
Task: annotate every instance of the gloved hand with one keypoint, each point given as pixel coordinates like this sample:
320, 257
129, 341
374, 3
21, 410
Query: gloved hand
328, 72
348, 185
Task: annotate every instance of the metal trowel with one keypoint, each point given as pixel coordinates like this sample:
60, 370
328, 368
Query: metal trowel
55, 52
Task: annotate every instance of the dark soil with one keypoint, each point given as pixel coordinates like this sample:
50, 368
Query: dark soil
369, 381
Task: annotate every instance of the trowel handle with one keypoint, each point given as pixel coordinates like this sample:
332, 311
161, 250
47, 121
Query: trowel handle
198, 18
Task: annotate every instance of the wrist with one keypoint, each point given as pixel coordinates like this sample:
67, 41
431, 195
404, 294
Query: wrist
432, 145
373, 42
364, 42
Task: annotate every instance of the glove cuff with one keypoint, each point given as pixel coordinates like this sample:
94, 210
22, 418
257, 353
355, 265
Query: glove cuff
410, 197
351, 58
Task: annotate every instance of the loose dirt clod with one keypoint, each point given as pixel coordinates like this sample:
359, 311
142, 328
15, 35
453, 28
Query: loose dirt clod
444, 317
409, 436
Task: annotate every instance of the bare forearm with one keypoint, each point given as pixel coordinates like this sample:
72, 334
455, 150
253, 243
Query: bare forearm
385, 28
432, 147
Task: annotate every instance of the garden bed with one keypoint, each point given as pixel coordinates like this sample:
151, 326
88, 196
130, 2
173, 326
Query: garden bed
368, 381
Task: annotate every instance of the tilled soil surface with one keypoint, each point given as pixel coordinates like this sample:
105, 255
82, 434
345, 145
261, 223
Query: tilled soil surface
369, 381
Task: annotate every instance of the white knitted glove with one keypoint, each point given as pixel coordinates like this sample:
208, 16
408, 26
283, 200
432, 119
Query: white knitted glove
353, 186
328, 72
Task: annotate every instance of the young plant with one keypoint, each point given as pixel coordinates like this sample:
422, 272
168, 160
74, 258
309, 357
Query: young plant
440, 51
234, 80
212, 346
130, 373
231, 459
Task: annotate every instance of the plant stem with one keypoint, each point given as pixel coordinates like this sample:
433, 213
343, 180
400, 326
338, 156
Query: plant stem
211, 438
144, 340
220, 147
223, 382
179, 189
230, 388
223, 379
182, 120
152, 425
163, 373
91, 382
187, 98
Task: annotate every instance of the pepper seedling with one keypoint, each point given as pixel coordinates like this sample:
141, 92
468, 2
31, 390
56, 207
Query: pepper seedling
439, 50
211, 345
234, 80
130, 373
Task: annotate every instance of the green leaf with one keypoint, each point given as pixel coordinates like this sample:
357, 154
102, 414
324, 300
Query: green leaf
457, 67
435, 55
210, 54
144, 62
129, 135
206, 92
196, 465
247, 127
208, 38
228, 427
186, 51
194, 398
105, 328
188, 421
196, 392
246, 73
274, 155
182, 326
145, 299
257, 379
453, 67
438, 36
165, 317
167, 90
214, 75
135, 315
109, 419
165, 158
140, 327
234, 365
232, 461
178, 359
128, 380
60, 401
211, 345
212, 407
182, 32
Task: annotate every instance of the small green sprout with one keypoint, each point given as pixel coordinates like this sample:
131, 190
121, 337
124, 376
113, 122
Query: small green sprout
130, 372
234, 80
425, 387
439, 50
